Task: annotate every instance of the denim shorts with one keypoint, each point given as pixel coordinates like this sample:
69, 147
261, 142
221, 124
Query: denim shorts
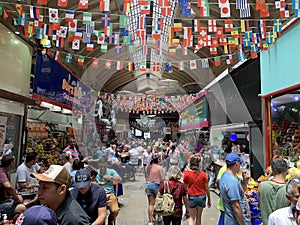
195, 201
152, 188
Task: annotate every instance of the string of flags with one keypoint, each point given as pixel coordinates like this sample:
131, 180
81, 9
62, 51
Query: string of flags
212, 35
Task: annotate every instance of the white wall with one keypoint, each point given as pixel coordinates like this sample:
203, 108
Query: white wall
15, 63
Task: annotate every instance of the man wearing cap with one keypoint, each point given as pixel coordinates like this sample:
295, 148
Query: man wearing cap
234, 201
54, 192
90, 196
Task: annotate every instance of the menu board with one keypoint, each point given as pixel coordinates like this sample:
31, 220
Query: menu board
195, 115
37, 130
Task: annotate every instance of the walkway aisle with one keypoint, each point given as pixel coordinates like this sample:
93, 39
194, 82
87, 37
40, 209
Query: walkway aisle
134, 209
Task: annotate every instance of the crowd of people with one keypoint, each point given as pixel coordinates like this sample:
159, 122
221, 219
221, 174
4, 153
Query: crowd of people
82, 189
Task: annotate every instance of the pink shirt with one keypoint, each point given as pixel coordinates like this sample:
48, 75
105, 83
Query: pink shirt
156, 173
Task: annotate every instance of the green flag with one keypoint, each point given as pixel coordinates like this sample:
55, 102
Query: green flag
104, 47
126, 40
123, 22
1, 8
131, 49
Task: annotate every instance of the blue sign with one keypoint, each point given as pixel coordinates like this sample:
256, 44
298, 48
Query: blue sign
56, 84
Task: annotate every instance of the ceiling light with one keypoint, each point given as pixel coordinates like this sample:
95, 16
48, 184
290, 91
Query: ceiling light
296, 98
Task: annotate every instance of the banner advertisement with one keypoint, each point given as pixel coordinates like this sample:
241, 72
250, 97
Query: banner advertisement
55, 84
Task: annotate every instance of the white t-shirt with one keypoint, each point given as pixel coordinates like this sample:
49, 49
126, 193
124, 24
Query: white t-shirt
173, 156
23, 174
283, 216
147, 157
133, 157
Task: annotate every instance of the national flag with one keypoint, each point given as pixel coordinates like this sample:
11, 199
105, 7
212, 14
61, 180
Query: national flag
86, 37
214, 42
62, 3
217, 60
73, 26
105, 20
181, 65
229, 59
163, 3
69, 16
103, 47
193, 64
39, 33
264, 12
169, 67
19, 8
241, 56
142, 22
277, 4
29, 29
145, 9
56, 55
104, 5
95, 63
204, 63
228, 25
213, 50
124, 32
78, 35
160, 23
119, 65
53, 15
184, 51
232, 41
131, 49
246, 12
262, 28
204, 11
83, 4
100, 38
196, 25
265, 46
63, 32
68, 58
76, 44
177, 25
156, 34
225, 11
235, 32
80, 60
156, 66
34, 12
203, 31
223, 40
118, 48
277, 25
143, 2
87, 18
143, 66
284, 12
60, 42
295, 4
23, 19
107, 64
90, 27
241, 4
130, 66
123, 21
172, 51
90, 46
212, 26
219, 32
42, 2
126, 6
166, 11
260, 4
244, 25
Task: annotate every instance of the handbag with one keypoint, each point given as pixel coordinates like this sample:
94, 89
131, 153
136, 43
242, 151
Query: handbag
164, 205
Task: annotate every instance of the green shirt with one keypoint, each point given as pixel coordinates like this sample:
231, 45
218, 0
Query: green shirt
108, 186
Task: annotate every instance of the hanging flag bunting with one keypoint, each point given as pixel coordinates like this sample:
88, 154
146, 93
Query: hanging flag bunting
228, 25
119, 65
56, 55
34, 12
130, 66
169, 67
80, 60
62, 3
69, 16
87, 18
63, 32
76, 44
145, 9
193, 64
213, 50
42, 2
184, 51
118, 48
229, 59
104, 5
156, 66
95, 63
181, 65
104, 47
68, 58
53, 15
212, 26
217, 60
105, 20
107, 64
90, 46
244, 25
264, 12
295, 4
123, 21
224, 8
83, 4
204, 63
219, 32
196, 25
260, 4
23, 19
245, 12
143, 66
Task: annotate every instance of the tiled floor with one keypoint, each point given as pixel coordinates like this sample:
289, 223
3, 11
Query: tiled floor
134, 209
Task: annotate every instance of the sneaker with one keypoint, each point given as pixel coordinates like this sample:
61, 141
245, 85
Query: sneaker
150, 223
159, 219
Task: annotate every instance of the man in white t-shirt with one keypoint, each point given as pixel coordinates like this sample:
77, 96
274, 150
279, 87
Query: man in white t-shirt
28, 167
173, 155
133, 160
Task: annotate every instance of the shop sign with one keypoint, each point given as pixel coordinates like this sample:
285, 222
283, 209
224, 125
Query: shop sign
55, 83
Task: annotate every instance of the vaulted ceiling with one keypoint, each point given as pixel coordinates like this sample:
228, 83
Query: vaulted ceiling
177, 81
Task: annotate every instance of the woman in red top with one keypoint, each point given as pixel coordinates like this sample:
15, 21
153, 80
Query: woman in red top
179, 192
197, 183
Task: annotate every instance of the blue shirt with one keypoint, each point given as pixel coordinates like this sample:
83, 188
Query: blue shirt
231, 190
90, 202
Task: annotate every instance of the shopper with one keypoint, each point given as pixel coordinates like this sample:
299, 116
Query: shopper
105, 178
290, 214
198, 191
272, 192
37, 215
28, 167
179, 192
72, 148
10, 201
54, 192
236, 208
154, 175
90, 196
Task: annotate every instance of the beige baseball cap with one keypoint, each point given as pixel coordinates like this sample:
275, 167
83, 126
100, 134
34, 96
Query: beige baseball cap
57, 174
